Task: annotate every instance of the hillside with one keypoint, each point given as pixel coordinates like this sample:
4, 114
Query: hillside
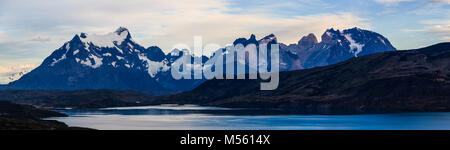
399, 81
26, 117
81, 99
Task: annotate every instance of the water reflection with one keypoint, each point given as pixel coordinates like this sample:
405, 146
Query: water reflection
191, 117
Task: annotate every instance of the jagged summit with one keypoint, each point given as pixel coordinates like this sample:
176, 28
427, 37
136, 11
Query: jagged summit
120, 30
108, 61
115, 61
271, 38
308, 41
245, 41
112, 39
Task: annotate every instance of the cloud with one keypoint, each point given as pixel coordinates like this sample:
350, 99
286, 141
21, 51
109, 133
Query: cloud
40, 39
446, 38
11, 73
439, 1
391, 2
395, 2
439, 29
165, 23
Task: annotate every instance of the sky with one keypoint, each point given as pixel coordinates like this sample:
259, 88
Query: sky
31, 30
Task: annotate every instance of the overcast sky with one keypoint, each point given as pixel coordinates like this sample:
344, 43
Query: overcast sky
30, 30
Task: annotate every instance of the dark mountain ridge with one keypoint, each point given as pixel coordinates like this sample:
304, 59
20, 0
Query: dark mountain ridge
26, 117
114, 61
75, 99
399, 81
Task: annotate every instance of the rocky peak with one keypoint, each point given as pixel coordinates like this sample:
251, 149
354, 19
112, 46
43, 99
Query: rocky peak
245, 42
330, 35
271, 38
308, 41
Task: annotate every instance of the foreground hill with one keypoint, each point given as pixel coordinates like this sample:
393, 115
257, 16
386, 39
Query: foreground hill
75, 99
412, 80
25, 117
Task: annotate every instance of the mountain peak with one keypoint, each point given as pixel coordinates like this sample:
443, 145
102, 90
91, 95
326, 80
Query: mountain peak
355, 29
106, 40
330, 34
76, 38
308, 41
245, 42
271, 38
122, 30
252, 37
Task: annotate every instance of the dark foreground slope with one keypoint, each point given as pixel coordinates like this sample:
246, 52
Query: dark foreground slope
413, 80
26, 117
75, 99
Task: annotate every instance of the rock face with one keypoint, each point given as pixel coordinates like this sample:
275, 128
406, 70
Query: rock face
307, 41
411, 80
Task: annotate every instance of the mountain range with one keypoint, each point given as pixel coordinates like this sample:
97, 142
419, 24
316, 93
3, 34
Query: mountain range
398, 81
115, 61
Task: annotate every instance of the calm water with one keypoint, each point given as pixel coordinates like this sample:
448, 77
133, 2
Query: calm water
191, 117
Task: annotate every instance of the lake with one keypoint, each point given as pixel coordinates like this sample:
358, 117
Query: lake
192, 117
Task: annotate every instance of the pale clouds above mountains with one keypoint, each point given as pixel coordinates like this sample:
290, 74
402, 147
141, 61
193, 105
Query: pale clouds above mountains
31, 30
11, 73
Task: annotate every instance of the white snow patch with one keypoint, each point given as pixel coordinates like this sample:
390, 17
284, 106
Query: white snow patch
76, 52
67, 46
87, 62
382, 40
354, 45
114, 64
55, 61
120, 58
106, 40
120, 50
107, 54
131, 46
153, 67
97, 61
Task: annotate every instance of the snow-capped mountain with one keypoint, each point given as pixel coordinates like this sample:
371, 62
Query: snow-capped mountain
116, 61
111, 61
337, 46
